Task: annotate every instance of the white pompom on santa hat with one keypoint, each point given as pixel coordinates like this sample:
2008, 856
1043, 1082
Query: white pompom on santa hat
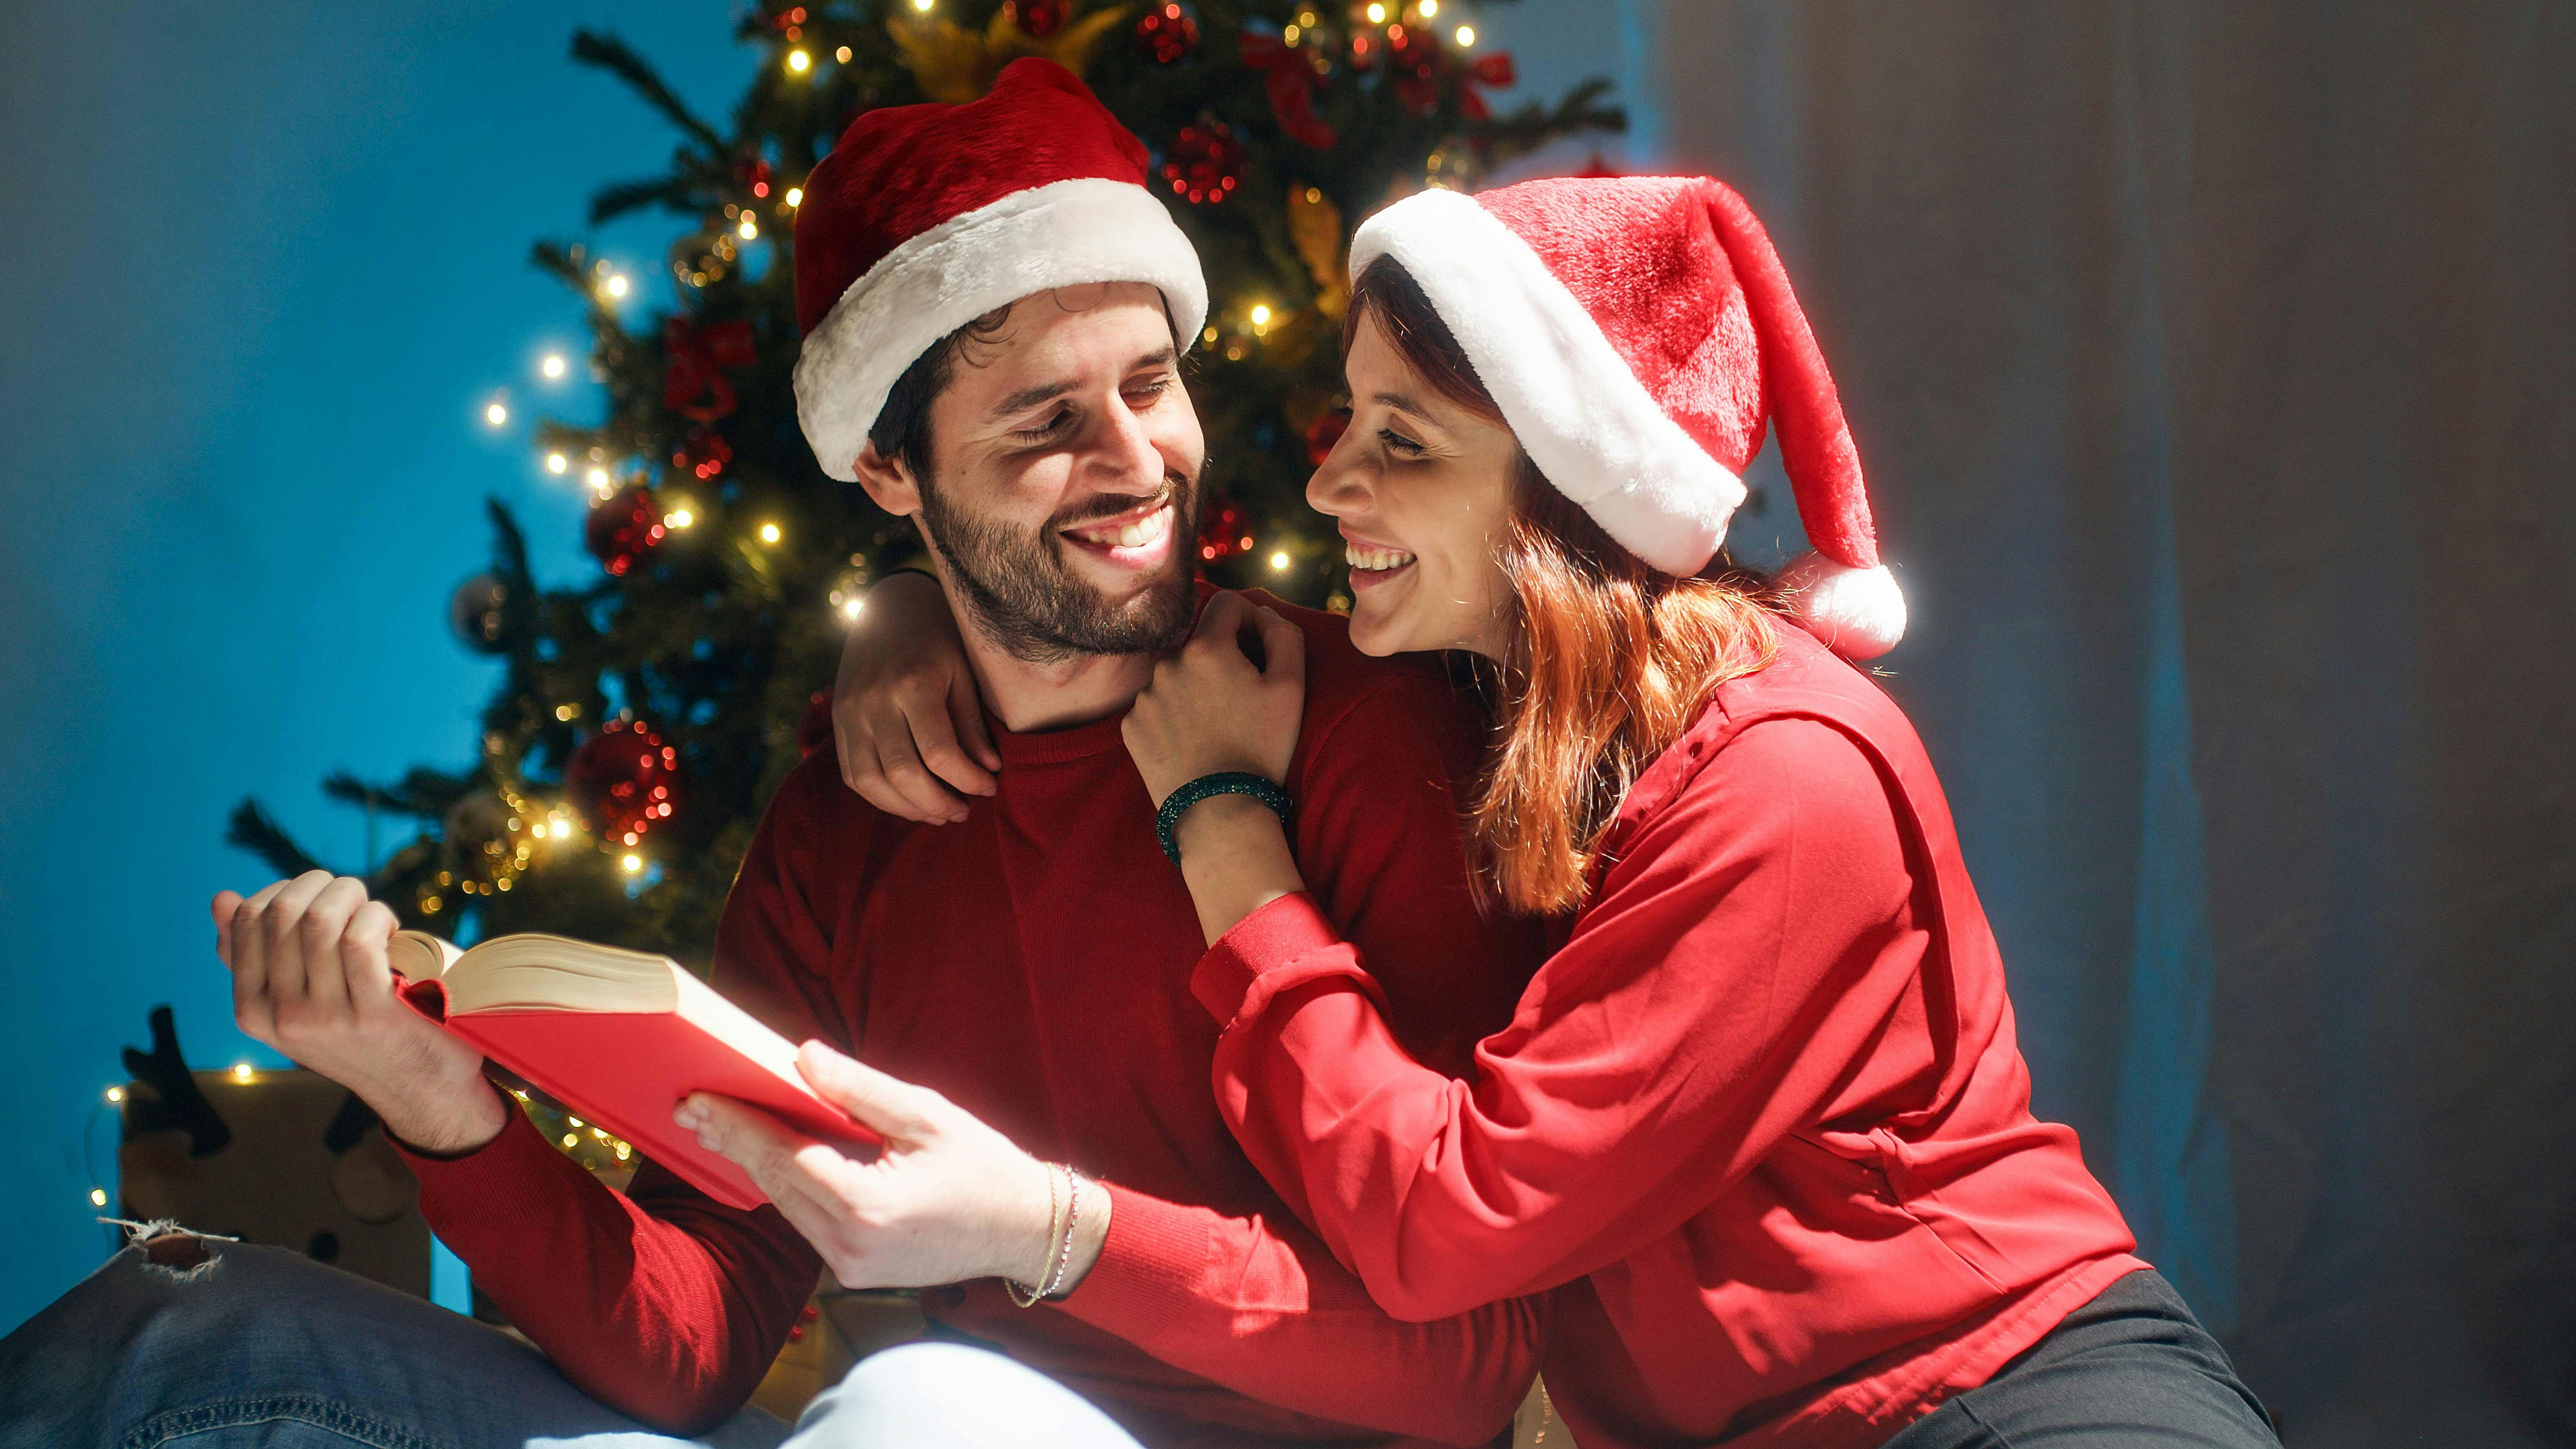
1639, 334
926, 217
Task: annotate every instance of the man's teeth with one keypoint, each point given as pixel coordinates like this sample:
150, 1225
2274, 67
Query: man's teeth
1373, 558
1135, 533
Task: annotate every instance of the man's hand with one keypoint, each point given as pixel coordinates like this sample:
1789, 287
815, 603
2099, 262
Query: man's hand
907, 720
310, 979
948, 1199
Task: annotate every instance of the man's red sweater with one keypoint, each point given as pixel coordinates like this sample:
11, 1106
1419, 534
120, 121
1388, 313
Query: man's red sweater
1033, 964
1761, 1122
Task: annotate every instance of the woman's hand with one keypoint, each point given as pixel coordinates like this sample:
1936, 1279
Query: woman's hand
946, 1200
906, 718
1209, 710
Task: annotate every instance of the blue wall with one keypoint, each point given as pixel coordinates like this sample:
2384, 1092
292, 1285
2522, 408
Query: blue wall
266, 264
265, 270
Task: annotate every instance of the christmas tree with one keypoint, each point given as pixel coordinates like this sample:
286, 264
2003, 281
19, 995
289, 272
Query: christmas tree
644, 718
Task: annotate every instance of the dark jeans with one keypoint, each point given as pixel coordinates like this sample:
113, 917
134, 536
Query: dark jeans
2130, 1370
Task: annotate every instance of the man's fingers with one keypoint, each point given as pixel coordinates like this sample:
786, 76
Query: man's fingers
371, 930
324, 938
281, 934
934, 734
966, 711
227, 904
896, 1109
249, 959
1283, 648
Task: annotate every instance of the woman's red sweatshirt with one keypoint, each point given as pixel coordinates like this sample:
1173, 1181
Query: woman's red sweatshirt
1760, 1122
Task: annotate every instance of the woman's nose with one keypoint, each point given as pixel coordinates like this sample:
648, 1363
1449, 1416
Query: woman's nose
1336, 488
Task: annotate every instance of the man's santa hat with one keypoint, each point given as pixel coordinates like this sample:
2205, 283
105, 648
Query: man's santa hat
1638, 334
926, 217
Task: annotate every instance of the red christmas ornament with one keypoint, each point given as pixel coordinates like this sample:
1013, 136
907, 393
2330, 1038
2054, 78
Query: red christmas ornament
755, 174
704, 453
1040, 18
693, 380
1222, 533
1415, 61
1204, 163
623, 528
625, 780
1323, 433
1167, 34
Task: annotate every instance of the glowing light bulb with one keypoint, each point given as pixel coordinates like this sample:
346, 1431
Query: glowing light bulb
557, 462
850, 608
571, 1141
798, 60
98, 1197
616, 285
1377, 14
1261, 316
749, 228
1279, 561
923, 5
1289, 33
796, 196
241, 1071
1466, 35
842, 55
769, 533
632, 863
553, 366
116, 1094
496, 415
1430, 8
597, 478
679, 518
563, 828
575, 1121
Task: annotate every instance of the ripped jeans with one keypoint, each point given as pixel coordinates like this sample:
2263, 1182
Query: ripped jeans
202, 1343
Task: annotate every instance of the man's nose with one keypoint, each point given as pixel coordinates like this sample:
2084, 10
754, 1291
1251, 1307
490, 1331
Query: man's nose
1129, 447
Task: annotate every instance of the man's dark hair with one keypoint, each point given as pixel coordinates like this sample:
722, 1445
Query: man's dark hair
902, 429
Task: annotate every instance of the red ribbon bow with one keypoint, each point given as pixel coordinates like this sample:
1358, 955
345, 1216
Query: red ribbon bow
1290, 79
697, 358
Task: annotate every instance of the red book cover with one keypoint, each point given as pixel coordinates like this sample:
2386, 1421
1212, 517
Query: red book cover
626, 1071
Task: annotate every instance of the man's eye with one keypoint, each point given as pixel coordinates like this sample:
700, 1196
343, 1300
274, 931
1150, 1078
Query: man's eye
1039, 434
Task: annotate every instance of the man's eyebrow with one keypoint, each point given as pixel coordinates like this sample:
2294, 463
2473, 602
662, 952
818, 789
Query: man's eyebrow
1029, 397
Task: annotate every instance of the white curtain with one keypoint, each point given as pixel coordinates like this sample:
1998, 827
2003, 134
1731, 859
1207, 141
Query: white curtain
2215, 370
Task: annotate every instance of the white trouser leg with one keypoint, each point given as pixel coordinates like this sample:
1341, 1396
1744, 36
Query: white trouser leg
950, 1396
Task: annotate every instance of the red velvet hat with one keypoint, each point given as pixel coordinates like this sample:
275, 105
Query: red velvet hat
926, 217
1639, 334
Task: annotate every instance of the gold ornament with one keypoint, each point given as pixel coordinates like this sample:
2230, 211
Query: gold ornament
1315, 228
957, 65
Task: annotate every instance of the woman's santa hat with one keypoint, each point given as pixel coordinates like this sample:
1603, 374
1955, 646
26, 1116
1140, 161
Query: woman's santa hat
926, 217
1638, 334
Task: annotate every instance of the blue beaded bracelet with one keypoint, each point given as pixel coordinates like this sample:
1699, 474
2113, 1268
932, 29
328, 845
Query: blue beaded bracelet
1226, 782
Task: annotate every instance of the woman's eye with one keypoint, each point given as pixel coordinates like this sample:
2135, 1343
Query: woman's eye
1399, 442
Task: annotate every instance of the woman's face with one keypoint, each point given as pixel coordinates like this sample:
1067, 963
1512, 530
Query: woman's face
1422, 489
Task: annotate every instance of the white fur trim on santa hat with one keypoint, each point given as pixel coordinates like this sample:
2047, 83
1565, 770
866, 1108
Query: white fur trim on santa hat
1857, 613
1062, 234
1578, 411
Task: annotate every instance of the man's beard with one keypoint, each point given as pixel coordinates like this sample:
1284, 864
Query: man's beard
1029, 602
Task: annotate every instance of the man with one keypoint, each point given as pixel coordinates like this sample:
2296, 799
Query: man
994, 309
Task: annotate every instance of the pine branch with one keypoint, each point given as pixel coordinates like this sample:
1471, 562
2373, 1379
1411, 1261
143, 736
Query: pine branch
591, 47
509, 544
423, 792
253, 829
672, 193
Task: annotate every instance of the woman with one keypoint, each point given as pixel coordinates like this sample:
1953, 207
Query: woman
1760, 1126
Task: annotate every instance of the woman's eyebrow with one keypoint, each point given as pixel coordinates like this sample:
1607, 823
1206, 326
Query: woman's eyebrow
1402, 403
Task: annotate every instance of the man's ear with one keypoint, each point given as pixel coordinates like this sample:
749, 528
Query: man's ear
889, 482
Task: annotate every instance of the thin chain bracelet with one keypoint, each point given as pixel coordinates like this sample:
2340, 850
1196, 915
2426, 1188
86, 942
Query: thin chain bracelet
1021, 1294
1072, 1216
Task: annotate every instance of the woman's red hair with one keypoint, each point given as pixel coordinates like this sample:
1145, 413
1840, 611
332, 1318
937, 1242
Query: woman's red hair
1610, 660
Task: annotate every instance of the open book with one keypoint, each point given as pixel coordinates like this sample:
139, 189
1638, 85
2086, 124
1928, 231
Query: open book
618, 1037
